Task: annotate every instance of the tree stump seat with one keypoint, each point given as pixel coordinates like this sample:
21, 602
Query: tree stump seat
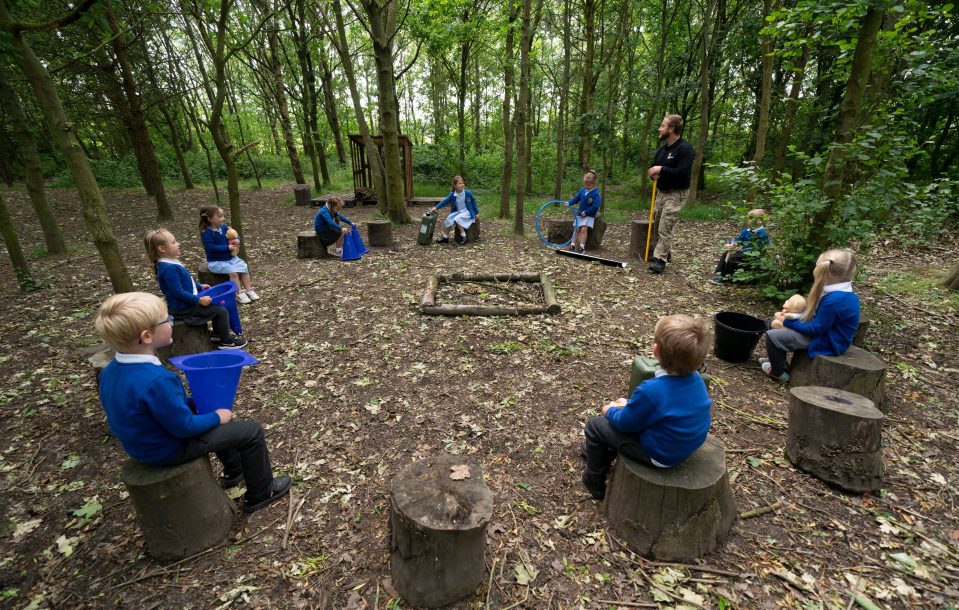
860, 335
637, 237
308, 245
379, 233
836, 436
856, 371
302, 194
473, 233
438, 531
208, 277
181, 509
187, 339
672, 514
99, 356
559, 231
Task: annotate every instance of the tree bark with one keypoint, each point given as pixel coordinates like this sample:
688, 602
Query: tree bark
477, 102
52, 235
665, 23
703, 102
61, 129
329, 106
765, 95
563, 118
792, 104
504, 201
521, 105
17, 259
951, 281
284, 112
586, 95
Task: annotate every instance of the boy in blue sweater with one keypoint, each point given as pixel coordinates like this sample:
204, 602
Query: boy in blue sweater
149, 413
753, 238
667, 417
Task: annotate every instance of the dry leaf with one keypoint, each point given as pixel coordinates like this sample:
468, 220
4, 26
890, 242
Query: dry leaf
459, 472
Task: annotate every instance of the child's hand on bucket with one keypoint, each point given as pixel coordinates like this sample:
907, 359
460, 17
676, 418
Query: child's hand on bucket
225, 415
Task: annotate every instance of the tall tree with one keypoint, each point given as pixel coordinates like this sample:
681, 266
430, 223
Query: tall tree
20, 267
508, 136
62, 131
521, 118
279, 94
563, 117
704, 102
589, 81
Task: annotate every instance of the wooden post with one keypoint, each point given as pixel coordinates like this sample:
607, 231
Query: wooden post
302, 195
308, 245
187, 340
856, 371
379, 233
637, 237
181, 509
208, 277
673, 514
438, 524
836, 436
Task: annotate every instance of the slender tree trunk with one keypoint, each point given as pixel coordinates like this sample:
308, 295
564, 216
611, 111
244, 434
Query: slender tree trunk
703, 102
280, 95
461, 102
665, 23
563, 118
172, 125
521, 106
234, 108
765, 96
52, 235
586, 95
792, 104
19, 261
951, 281
477, 100
506, 184
61, 128
142, 140
849, 110
612, 97
436, 101
329, 105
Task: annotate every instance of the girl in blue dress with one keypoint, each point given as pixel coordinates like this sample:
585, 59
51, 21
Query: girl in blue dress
463, 212
221, 253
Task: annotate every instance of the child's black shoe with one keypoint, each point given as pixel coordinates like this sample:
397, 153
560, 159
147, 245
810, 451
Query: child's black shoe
461, 239
598, 492
279, 487
443, 240
228, 482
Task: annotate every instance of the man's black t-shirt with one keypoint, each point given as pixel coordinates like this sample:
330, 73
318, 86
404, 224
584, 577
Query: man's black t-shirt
677, 162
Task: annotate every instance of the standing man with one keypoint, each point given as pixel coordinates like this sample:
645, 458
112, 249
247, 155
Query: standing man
671, 169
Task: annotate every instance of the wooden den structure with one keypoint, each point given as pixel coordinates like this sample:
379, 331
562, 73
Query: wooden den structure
363, 173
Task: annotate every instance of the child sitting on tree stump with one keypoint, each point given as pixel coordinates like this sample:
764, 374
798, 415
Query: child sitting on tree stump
753, 238
667, 417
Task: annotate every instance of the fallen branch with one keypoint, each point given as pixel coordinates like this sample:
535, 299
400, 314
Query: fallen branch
292, 518
762, 510
611, 602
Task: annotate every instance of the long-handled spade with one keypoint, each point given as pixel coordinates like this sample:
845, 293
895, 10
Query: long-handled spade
649, 227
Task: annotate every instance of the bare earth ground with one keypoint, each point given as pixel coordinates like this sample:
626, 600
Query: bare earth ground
354, 385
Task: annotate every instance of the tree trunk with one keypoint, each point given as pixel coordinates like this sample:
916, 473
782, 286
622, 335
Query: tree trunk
765, 95
52, 235
329, 106
19, 261
461, 102
477, 101
284, 111
951, 281
61, 129
521, 106
234, 108
703, 102
382, 22
504, 210
666, 21
142, 140
586, 95
436, 101
848, 118
563, 118
792, 104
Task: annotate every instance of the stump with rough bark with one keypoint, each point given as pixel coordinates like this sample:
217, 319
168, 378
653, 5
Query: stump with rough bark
379, 233
438, 521
301, 194
308, 245
672, 514
473, 233
637, 237
99, 356
208, 277
559, 231
860, 335
836, 436
187, 339
856, 371
181, 509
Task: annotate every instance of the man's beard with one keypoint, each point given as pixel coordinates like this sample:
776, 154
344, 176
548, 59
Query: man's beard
664, 137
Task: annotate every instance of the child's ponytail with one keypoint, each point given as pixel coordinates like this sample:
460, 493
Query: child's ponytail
207, 213
832, 266
152, 242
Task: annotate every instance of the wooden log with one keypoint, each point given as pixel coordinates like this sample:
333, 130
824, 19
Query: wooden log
492, 277
860, 335
208, 277
430, 201
438, 531
836, 436
673, 514
308, 245
473, 233
429, 295
856, 371
365, 195
301, 194
181, 509
379, 233
187, 340
482, 310
549, 296
637, 237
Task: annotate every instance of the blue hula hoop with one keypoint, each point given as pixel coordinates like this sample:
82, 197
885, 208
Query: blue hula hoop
540, 233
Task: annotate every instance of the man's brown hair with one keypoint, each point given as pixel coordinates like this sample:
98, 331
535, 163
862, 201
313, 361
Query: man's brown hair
676, 123
683, 342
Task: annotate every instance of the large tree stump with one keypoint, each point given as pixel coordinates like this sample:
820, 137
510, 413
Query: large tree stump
473, 233
187, 340
379, 233
856, 371
308, 245
637, 237
860, 335
438, 544
559, 231
181, 509
301, 194
836, 436
208, 277
673, 514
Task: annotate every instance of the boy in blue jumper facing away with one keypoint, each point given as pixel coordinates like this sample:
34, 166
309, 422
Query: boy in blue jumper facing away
751, 239
326, 223
149, 413
589, 204
667, 417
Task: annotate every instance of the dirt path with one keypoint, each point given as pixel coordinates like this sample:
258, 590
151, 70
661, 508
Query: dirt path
354, 384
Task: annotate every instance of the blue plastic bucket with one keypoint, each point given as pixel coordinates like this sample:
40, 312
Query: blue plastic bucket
225, 295
736, 335
213, 377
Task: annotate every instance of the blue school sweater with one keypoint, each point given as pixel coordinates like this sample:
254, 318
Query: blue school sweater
148, 412
752, 240
177, 286
324, 220
216, 245
670, 413
832, 328
589, 201
470, 202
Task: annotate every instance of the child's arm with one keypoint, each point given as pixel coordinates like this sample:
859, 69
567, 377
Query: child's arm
208, 236
593, 209
166, 401
446, 201
575, 198
169, 278
634, 415
824, 319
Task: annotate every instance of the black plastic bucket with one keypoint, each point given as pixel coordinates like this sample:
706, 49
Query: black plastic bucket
736, 335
